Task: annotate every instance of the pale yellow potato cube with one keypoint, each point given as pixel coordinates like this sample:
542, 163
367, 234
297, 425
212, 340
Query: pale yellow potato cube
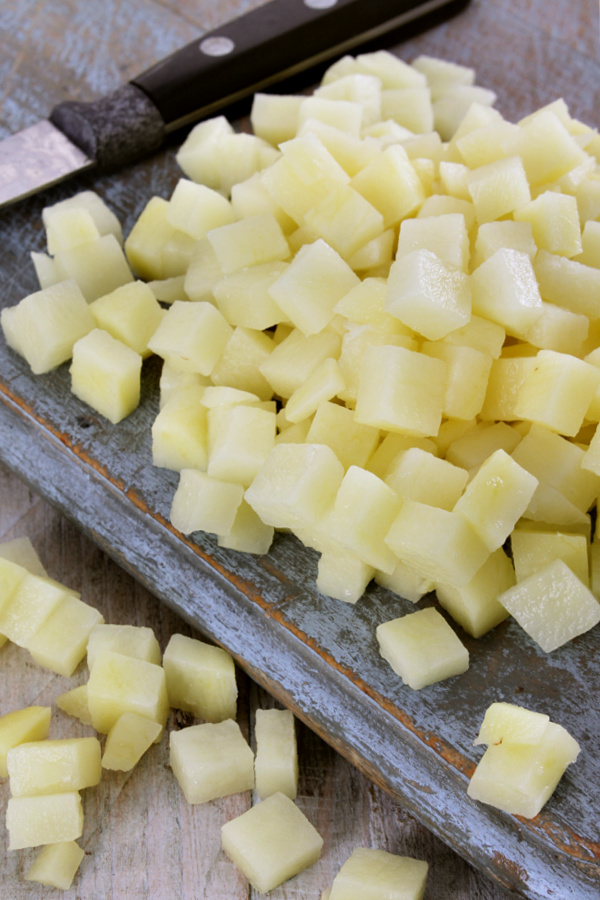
507, 722
203, 272
356, 340
219, 158
389, 448
120, 683
492, 236
557, 392
97, 266
68, 227
248, 534
49, 767
249, 242
341, 574
20, 726
131, 313
200, 678
422, 648
470, 450
271, 842
498, 188
373, 874
554, 220
355, 87
520, 778
195, 209
531, 550
390, 184
290, 192
44, 326
546, 148
410, 107
401, 390
345, 220
405, 582
504, 385
243, 297
444, 235
211, 761
496, 498
56, 865
295, 357
364, 304
173, 380
274, 117
74, 703
454, 104
347, 115
11, 576
28, 604
439, 545
251, 198
334, 425
427, 294
323, 384
105, 374
467, 373
590, 244
504, 289
22, 552
485, 144
180, 431
475, 605
105, 220
308, 157
568, 283
276, 761
60, 643
559, 329
453, 179
240, 437
352, 153
204, 503
191, 336
441, 73
296, 485
138, 641
127, 741
392, 71
308, 290
453, 429
416, 474
45, 819
362, 514
552, 605
239, 365
146, 240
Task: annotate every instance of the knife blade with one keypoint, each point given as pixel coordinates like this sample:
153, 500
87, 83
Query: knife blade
267, 45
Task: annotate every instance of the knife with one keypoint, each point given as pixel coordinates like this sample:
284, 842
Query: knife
248, 54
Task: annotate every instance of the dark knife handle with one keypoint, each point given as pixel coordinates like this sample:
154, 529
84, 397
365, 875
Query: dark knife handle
270, 43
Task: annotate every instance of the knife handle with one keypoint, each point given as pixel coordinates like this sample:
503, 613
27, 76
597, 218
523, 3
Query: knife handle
274, 41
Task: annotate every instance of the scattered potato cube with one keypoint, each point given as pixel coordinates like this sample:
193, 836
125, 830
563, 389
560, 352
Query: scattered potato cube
511, 723
119, 684
211, 761
204, 503
276, 762
191, 336
130, 313
61, 641
271, 842
97, 266
127, 741
200, 678
56, 865
105, 374
45, 819
130, 640
54, 766
29, 605
20, 726
376, 874
74, 703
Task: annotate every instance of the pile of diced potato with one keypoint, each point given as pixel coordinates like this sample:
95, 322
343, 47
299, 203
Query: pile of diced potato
378, 317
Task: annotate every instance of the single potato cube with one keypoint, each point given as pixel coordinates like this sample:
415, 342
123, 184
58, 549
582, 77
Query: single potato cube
28, 607
568, 283
244, 299
98, 266
498, 188
405, 582
180, 431
32, 723
56, 865
274, 117
416, 474
323, 384
105, 374
211, 761
470, 450
68, 227
249, 242
276, 762
445, 236
345, 220
558, 329
248, 534
376, 874
475, 606
422, 648
12, 575
545, 147
240, 437
531, 550
60, 643
334, 425
467, 377
200, 678
504, 289
128, 740
191, 336
240, 363
74, 703
553, 606
507, 722
51, 767
492, 236
146, 241
196, 209
45, 819
138, 641
105, 220
554, 219
341, 574
391, 184
131, 313
271, 842
295, 357
204, 503
119, 684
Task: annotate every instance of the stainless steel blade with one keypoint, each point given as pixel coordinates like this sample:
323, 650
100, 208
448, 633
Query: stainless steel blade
37, 157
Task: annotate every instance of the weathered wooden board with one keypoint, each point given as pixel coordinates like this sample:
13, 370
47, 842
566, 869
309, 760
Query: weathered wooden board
314, 654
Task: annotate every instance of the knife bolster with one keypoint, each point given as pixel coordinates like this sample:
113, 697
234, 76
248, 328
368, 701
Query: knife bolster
114, 131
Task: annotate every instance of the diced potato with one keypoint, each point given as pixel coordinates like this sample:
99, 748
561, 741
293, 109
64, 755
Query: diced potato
371, 874
511, 723
130, 313
475, 605
498, 188
218, 158
180, 431
49, 767
276, 762
554, 219
248, 242
22, 552
568, 283
467, 375
105, 374
341, 574
204, 503
138, 641
127, 741
244, 299
20, 726
98, 267
28, 607
248, 534
60, 642
492, 236
274, 117
106, 221
211, 761
504, 289
45, 819
405, 582
531, 550
295, 357
56, 865
422, 648
472, 449
444, 235
196, 209
69, 227
335, 425
74, 703
271, 842
191, 336
390, 184
120, 683
323, 384
241, 361
545, 147
200, 678
345, 220
418, 475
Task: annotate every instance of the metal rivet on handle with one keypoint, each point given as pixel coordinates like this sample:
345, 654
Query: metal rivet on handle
320, 4
217, 46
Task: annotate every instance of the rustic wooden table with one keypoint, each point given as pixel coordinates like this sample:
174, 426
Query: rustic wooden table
141, 839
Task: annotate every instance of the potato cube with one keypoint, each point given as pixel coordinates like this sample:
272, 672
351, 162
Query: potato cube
120, 683
296, 485
371, 874
324, 383
558, 329
249, 242
401, 390
11, 576
56, 865
138, 641
276, 762
248, 534
74, 703
492, 236
351, 152
341, 574
475, 605
467, 374
546, 148
356, 87
446, 236
356, 340
334, 425
496, 498
240, 438
68, 227
191, 336
211, 761
20, 726
50, 767
240, 363
127, 741
105, 374
422, 648
504, 384
345, 220
244, 299
44, 326
97, 266
453, 106
29, 606
470, 450
531, 550
60, 642
105, 220
511, 723
271, 842
295, 357
554, 219
498, 188
130, 313
418, 475
552, 605
274, 117
568, 283
204, 503
504, 289
45, 819
180, 431
390, 184
146, 241
200, 678
22, 552
196, 209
